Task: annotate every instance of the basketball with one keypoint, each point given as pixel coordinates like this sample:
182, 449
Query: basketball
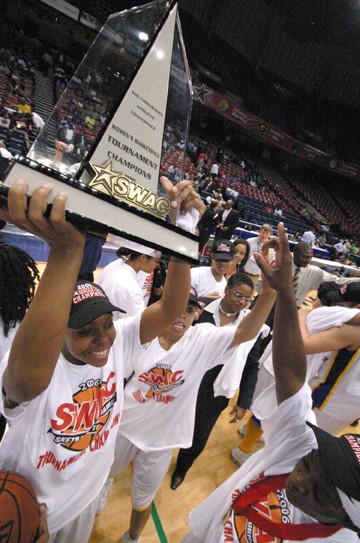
19, 515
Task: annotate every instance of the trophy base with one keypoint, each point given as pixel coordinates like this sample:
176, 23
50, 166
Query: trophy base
91, 211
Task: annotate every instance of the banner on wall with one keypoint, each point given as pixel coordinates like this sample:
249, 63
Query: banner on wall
269, 133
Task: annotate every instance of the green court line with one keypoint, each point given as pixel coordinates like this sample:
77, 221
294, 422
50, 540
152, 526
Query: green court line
158, 525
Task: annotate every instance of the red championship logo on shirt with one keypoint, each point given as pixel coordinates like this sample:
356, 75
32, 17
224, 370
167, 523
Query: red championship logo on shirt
77, 424
161, 380
274, 507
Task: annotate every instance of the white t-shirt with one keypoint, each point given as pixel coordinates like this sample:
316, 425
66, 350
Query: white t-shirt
121, 284
308, 237
342, 400
63, 440
287, 439
318, 320
323, 318
251, 266
203, 280
145, 281
227, 382
160, 399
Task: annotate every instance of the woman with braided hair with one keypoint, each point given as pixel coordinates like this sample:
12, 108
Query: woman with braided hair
18, 274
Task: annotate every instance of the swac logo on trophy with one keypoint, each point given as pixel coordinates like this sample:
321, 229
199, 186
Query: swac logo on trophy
125, 189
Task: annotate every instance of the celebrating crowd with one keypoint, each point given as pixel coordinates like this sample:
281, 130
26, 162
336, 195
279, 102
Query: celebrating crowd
182, 358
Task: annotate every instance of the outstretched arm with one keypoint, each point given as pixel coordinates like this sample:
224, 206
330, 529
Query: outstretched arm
288, 351
187, 207
38, 341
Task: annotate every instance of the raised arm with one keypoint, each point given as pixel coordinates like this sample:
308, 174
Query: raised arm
39, 339
187, 207
288, 351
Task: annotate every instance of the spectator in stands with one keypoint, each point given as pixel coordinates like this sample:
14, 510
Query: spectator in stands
206, 223
214, 172
4, 153
66, 139
309, 236
5, 157
46, 63
20, 125
295, 237
340, 247
37, 121
278, 212
60, 78
306, 276
354, 249
256, 245
210, 281
226, 221
90, 120
320, 241
253, 182
171, 173
242, 251
201, 161
5, 119
22, 106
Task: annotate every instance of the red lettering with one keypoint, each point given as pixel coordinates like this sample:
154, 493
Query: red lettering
144, 378
64, 414
110, 391
176, 376
87, 414
228, 532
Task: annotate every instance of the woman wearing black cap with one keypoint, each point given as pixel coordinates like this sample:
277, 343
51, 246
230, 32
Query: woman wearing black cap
63, 380
291, 490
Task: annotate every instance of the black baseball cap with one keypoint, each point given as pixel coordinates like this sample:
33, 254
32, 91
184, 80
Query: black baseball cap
223, 250
193, 297
89, 302
340, 457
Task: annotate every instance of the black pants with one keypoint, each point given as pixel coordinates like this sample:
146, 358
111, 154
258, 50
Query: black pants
208, 410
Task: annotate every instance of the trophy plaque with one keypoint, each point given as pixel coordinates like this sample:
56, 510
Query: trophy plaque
122, 120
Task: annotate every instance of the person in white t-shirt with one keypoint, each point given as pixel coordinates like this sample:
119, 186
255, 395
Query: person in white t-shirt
309, 236
160, 399
62, 382
210, 281
123, 279
305, 484
331, 341
251, 267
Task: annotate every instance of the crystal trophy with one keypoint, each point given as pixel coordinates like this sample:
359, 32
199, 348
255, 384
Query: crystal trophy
122, 120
